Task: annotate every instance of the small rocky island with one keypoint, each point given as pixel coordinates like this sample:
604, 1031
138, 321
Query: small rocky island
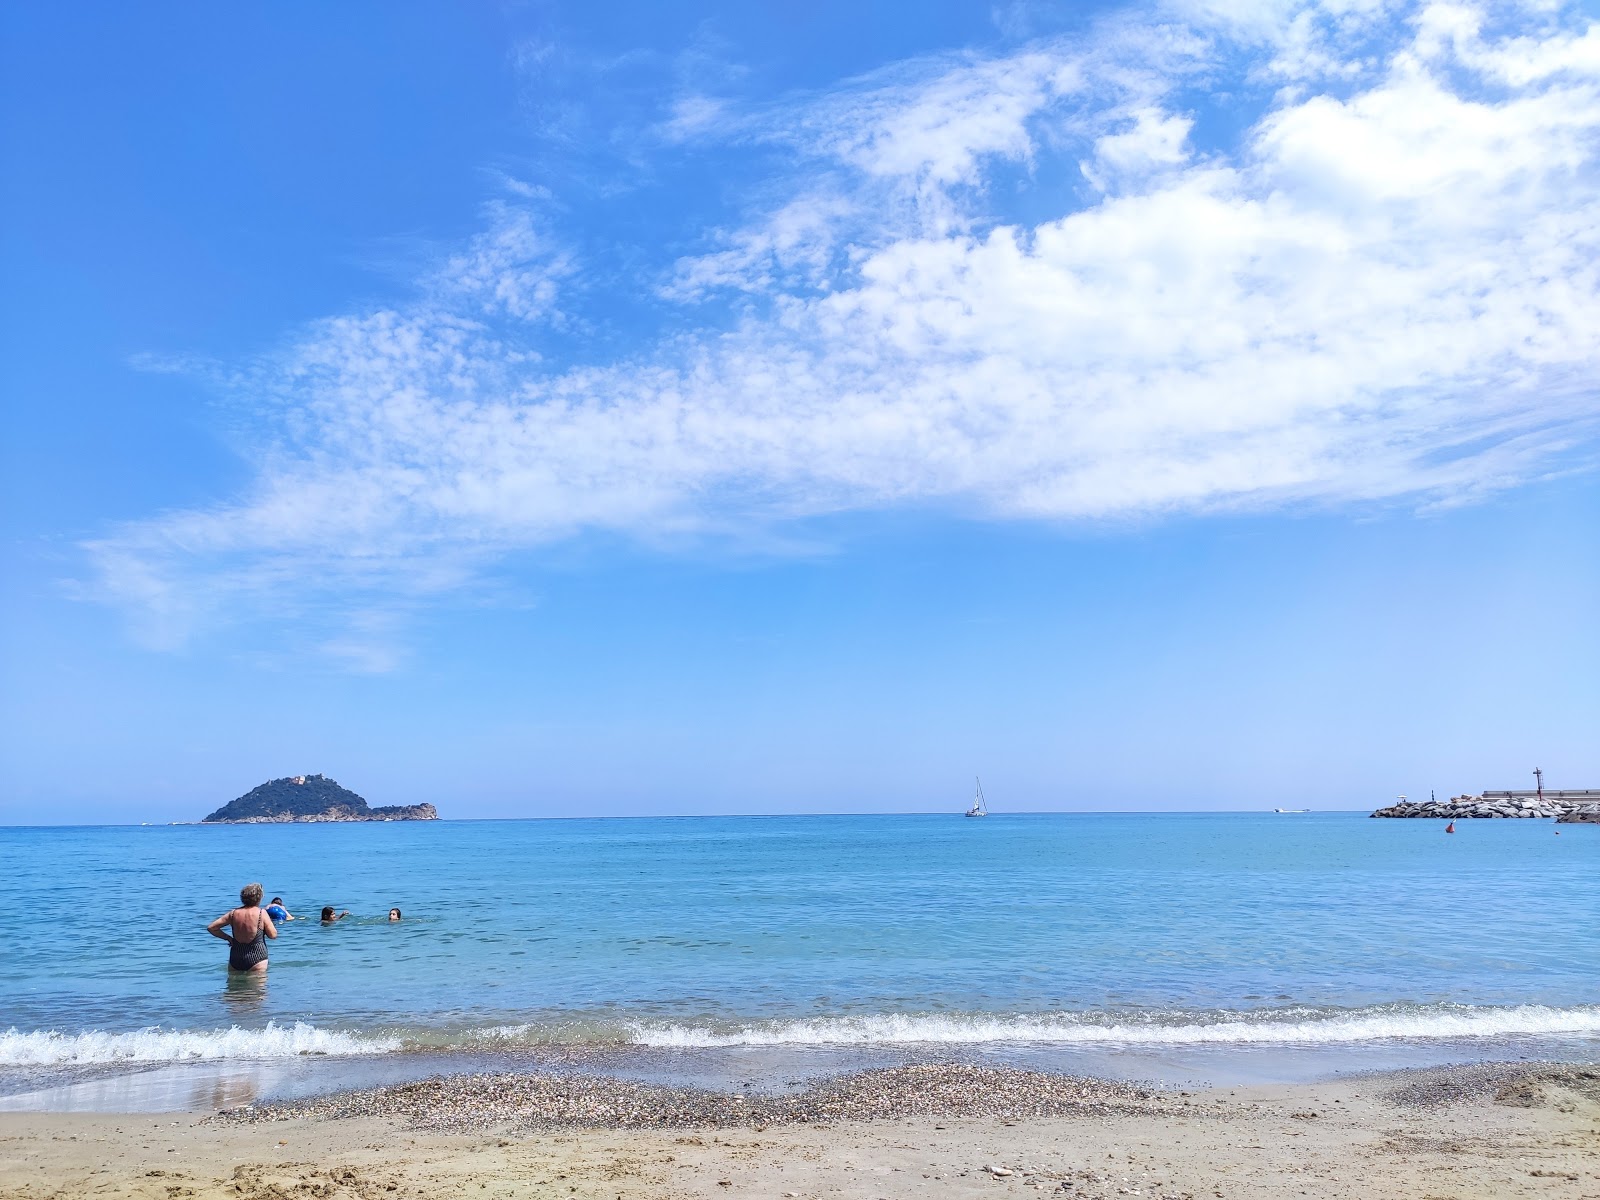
310, 798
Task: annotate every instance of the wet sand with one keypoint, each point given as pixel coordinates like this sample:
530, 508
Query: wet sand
1484, 1131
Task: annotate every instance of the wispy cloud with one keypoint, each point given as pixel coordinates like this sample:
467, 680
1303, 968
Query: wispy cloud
509, 269
1385, 287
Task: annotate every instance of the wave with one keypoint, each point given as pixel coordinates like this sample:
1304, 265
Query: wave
52, 1048
1306, 1026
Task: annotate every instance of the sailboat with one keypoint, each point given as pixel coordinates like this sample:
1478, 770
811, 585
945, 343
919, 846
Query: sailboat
979, 808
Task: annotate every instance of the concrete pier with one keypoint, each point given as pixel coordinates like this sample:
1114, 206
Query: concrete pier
1560, 796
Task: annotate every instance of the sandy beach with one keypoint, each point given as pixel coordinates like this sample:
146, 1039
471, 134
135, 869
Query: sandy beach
1485, 1131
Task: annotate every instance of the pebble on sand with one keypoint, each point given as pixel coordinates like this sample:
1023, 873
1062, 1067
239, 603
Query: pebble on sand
553, 1101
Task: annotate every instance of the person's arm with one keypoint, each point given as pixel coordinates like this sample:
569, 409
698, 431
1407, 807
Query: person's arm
215, 928
289, 916
342, 915
267, 926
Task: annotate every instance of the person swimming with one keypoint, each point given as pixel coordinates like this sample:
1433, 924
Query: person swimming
328, 917
278, 912
251, 927
394, 914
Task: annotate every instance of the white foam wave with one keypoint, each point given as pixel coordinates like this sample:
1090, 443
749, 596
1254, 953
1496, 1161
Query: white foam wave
1297, 1026
50, 1048
1282, 1026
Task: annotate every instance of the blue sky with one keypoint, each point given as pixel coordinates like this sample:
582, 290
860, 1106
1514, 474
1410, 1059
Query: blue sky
547, 409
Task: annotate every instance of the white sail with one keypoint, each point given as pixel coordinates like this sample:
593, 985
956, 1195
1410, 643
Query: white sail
979, 808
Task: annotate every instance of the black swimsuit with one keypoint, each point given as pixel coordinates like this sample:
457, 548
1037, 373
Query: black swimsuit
242, 956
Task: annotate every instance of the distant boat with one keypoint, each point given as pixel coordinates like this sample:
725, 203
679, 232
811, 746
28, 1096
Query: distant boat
979, 808
1291, 810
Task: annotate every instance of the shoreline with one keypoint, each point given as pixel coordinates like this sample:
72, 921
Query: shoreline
1503, 1129
201, 1084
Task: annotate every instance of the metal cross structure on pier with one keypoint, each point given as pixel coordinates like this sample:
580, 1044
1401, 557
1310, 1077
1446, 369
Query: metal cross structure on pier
1538, 777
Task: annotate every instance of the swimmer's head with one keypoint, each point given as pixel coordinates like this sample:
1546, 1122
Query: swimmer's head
250, 895
394, 914
277, 899
327, 913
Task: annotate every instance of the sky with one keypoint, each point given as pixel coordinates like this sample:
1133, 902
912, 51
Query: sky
545, 409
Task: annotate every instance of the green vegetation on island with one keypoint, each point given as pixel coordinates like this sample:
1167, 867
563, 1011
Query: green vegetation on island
310, 798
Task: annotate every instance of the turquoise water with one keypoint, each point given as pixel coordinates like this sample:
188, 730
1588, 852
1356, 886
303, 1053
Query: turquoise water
1040, 930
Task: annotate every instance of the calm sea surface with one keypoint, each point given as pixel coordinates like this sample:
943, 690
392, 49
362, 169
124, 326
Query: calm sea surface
1091, 931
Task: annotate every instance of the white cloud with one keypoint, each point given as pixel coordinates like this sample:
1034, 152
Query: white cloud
797, 245
1385, 290
939, 130
510, 268
1156, 141
694, 116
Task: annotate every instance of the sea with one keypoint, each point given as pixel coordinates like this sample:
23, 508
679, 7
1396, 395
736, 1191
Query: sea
761, 952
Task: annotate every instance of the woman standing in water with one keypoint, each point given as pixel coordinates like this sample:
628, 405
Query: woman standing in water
247, 944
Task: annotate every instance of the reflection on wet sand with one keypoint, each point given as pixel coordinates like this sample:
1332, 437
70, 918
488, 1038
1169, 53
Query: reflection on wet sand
219, 1092
179, 1088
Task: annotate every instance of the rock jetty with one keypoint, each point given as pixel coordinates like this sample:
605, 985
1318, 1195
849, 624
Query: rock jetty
1585, 814
1462, 807
310, 798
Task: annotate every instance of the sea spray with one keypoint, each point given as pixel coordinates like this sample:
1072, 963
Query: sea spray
1177, 1028
20, 1048
1294, 1026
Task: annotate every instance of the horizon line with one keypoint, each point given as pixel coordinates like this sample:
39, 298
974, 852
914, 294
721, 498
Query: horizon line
1021, 812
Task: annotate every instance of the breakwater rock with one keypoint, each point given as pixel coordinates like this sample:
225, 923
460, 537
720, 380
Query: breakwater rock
1586, 814
1463, 807
310, 798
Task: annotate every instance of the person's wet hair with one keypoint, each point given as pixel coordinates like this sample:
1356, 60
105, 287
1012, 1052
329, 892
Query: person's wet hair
327, 913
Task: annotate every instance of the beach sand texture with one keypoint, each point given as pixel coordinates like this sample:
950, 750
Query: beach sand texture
1487, 1131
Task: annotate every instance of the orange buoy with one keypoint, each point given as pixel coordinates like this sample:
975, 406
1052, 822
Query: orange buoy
1450, 828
